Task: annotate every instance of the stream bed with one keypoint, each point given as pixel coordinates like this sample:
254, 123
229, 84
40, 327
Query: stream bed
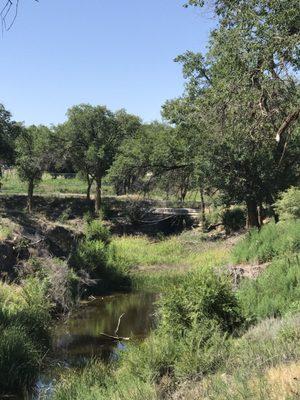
78, 339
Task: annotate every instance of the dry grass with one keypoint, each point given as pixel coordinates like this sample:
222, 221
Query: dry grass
284, 381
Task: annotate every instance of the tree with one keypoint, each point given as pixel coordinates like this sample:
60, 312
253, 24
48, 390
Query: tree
9, 130
243, 95
93, 137
159, 155
32, 156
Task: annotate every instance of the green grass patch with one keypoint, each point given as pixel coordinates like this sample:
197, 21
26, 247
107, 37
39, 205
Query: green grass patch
12, 184
176, 251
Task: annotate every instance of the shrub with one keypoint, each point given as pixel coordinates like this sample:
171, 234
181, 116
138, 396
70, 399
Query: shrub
95, 231
102, 264
288, 204
92, 257
275, 292
269, 242
215, 216
203, 294
234, 219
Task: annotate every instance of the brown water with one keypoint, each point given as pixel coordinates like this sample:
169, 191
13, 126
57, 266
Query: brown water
78, 339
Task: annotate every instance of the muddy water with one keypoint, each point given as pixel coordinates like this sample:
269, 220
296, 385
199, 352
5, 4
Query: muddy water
78, 339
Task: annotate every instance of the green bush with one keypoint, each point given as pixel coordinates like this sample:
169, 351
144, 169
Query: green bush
214, 216
101, 262
95, 231
288, 204
275, 292
271, 241
203, 294
234, 219
92, 257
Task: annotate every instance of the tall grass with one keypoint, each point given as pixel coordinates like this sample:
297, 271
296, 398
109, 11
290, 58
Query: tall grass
174, 251
271, 241
24, 324
275, 292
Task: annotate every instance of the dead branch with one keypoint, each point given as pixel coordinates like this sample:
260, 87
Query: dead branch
118, 325
10, 8
116, 337
291, 118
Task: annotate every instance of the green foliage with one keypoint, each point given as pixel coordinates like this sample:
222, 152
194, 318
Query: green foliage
214, 216
9, 130
230, 100
203, 294
271, 241
288, 204
275, 292
32, 155
97, 256
203, 350
234, 219
92, 256
96, 231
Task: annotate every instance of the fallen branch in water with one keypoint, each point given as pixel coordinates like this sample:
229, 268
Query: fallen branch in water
116, 337
119, 338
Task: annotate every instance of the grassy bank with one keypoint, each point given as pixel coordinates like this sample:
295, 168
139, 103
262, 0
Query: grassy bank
207, 345
24, 325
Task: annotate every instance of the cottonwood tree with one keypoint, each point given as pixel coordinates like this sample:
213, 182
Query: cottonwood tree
32, 157
157, 156
245, 100
94, 135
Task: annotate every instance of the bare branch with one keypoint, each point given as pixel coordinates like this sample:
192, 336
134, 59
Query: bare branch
9, 11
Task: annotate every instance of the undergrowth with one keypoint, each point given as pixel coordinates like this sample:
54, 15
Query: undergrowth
271, 241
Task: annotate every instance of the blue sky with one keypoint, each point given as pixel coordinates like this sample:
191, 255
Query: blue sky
117, 53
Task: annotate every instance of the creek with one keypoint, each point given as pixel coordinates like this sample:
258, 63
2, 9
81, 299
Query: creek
77, 340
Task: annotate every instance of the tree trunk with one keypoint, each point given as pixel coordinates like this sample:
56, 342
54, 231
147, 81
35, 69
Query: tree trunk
98, 195
252, 214
203, 217
30, 195
270, 201
88, 191
261, 214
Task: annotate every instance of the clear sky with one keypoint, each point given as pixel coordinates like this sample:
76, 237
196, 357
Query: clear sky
116, 53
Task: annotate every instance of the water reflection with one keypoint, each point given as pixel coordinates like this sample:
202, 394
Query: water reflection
78, 339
